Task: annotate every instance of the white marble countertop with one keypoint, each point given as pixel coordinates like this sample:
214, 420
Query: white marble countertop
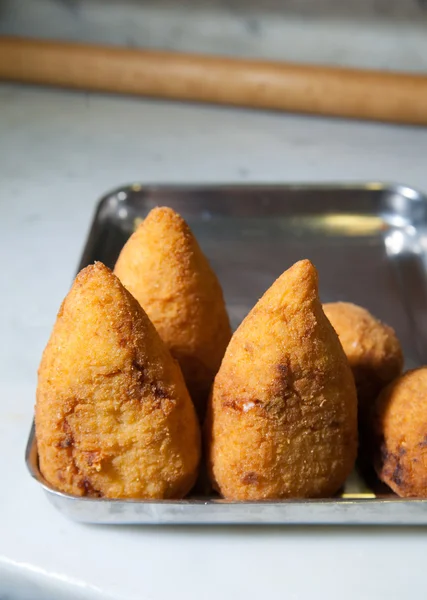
59, 152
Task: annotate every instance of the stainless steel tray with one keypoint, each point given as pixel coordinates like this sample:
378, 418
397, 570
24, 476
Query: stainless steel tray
369, 243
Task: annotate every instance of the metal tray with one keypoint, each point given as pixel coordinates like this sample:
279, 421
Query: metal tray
369, 243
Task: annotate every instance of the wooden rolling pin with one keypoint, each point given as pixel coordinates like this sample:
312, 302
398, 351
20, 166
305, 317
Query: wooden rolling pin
362, 94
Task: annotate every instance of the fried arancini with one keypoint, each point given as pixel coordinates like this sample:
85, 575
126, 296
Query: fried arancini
164, 268
113, 415
372, 349
400, 434
282, 416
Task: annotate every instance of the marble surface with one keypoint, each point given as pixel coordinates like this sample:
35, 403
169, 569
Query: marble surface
59, 152
386, 34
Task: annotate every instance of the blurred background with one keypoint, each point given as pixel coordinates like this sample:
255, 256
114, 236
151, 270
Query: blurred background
388, 34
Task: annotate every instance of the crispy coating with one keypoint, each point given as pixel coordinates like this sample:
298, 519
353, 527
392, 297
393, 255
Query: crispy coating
400, 434
164, 268
113, 415
282, 418
372, 349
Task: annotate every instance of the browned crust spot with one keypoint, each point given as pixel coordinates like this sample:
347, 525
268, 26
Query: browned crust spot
68, 440
158, 392
68, 443
237, 405
88, 490
250, 478
92, 458
392, 467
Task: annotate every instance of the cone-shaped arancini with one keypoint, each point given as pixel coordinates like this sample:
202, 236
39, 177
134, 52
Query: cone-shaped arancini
282, 417
113, 415
164, 268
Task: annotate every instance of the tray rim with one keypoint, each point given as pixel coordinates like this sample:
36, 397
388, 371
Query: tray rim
363, 186
370, 185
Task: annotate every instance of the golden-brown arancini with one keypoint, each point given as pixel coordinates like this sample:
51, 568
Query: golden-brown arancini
282, 417
400, 434
164, 268
113, 415
372, 349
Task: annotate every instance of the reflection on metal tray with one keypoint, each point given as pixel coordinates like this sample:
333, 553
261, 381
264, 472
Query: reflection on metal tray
369, 244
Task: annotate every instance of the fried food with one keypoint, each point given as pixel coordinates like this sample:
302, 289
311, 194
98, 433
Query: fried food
164, 268
372, 349
400, 434
282, 418
113, 415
